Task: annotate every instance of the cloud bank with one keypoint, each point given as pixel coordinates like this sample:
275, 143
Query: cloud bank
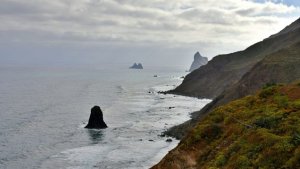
211, 26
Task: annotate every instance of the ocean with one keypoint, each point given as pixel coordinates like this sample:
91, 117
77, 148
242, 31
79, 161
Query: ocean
43, 111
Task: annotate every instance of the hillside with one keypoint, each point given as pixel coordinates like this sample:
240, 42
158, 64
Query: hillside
257, 131
223, 71
280, 66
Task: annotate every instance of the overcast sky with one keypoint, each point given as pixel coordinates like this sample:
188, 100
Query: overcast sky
121, 31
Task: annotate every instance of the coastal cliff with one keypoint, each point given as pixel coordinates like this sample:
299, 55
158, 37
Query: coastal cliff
241, 127
210, 80
279, 66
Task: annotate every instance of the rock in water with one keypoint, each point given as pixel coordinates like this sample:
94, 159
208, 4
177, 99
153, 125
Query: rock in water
96, 119
198, 61
136, 66
169, 140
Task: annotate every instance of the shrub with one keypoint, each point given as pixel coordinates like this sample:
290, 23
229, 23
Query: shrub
269, 84
220, 160
233, 149
228, 120
296, 139
217, 118
266, 92
296, 104
267, 122
283, 145
294, 162
254, 151
211, 132
281, 101
242, 162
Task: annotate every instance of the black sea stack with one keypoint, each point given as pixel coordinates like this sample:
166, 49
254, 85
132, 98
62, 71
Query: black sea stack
96, 119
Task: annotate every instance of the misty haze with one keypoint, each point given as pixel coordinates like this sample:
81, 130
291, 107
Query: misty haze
149, 84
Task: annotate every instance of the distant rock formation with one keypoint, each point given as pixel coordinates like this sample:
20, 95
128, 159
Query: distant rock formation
136, 66
198, 61
96, 119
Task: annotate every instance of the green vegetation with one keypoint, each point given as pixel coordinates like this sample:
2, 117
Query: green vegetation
260, 131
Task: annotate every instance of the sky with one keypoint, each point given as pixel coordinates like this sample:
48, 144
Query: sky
156, 32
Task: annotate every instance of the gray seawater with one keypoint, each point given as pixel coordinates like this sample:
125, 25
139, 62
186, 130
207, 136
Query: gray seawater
43, 112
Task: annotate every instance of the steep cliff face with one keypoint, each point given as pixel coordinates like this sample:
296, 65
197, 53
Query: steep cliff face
282, 66
258, 131
198, 61
210, 80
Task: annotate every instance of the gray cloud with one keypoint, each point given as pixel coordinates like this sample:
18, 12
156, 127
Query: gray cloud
212, 26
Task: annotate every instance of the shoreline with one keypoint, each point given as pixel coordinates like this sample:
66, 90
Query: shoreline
170, 132
179, 131
148, 115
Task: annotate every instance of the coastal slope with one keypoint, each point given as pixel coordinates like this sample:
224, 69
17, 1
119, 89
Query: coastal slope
210, 80
279, 66
257, 131
282, 66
